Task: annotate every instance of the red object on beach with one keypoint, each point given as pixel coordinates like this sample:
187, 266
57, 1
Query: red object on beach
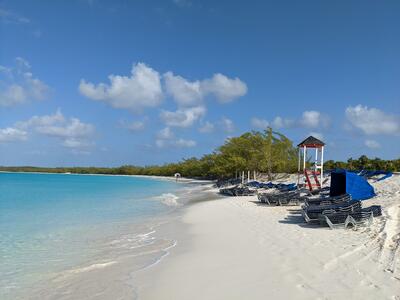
311, 175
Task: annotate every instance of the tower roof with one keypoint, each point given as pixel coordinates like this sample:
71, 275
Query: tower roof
311, 142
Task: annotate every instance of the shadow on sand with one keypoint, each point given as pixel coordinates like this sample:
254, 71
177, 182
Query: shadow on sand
294, 216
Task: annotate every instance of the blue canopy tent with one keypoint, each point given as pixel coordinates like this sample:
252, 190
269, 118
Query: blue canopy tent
343, 181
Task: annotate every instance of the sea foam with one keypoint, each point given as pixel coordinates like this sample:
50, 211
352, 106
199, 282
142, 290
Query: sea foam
169, 199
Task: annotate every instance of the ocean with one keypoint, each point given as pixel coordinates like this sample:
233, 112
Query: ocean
57, 224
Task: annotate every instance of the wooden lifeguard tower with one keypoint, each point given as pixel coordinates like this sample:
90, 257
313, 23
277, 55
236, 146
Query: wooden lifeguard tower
312, 176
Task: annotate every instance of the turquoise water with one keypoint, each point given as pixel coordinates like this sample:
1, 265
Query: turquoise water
49, 222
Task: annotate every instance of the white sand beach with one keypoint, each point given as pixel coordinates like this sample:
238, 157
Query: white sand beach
237, 248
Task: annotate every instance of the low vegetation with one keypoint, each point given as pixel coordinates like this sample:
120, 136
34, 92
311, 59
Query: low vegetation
265, 152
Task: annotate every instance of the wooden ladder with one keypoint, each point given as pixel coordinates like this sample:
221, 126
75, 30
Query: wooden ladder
311, 174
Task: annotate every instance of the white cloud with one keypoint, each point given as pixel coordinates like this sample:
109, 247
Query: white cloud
182, 143
227, 125
22, 63
207, 128
165, 134
72, 132
136, 126
18, 85
309, 119
12, 95
372, 144
36, 88
190, 93
76, 143
183, 117
184, 92
10, 134
37, 121
280, 122
74, 128
224, 88
178, 143
373, 121
259, 123
142, 89
313, 119
166, 139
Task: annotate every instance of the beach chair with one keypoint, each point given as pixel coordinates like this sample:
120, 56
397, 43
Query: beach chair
311, 213
363, 217
282, 198
343, 220
328, 200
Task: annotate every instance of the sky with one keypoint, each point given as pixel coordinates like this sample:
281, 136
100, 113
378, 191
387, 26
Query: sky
107, 83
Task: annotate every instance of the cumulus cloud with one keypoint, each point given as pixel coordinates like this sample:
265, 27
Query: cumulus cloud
72, 132
46, 120
166, 139
280, 122
142, 89
136, 126
373, 121
165, 134
227, 125
190, 93
177, 143
11, 134
309, 119
18, 84
146, 88
313, 119
224, 88
372, 144
207, 127
73, 129
259, 123
75, 143
183, 117
182, 143
133, 126
184, 92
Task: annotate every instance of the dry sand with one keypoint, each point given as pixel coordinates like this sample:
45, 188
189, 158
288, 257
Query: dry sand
236, 248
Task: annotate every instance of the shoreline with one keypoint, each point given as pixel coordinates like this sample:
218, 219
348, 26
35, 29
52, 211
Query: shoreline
235, 248
169, 178
130, 251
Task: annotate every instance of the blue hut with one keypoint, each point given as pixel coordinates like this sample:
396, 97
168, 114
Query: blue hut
343, 181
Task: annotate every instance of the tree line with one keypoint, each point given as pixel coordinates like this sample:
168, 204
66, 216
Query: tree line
265, 152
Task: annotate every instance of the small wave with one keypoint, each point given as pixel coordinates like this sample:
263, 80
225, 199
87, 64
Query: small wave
92, 267
134, 241
166, 253
168, 199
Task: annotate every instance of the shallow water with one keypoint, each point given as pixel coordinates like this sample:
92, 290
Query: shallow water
54, 223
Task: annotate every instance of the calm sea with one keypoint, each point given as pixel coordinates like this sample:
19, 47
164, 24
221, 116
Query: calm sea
53, 222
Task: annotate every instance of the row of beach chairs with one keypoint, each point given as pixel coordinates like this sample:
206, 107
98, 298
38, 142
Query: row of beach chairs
339, 211
238, 190
317, 207
335, 212
233, 188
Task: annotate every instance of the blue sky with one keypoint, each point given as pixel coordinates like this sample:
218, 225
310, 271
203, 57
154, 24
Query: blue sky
107, 83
